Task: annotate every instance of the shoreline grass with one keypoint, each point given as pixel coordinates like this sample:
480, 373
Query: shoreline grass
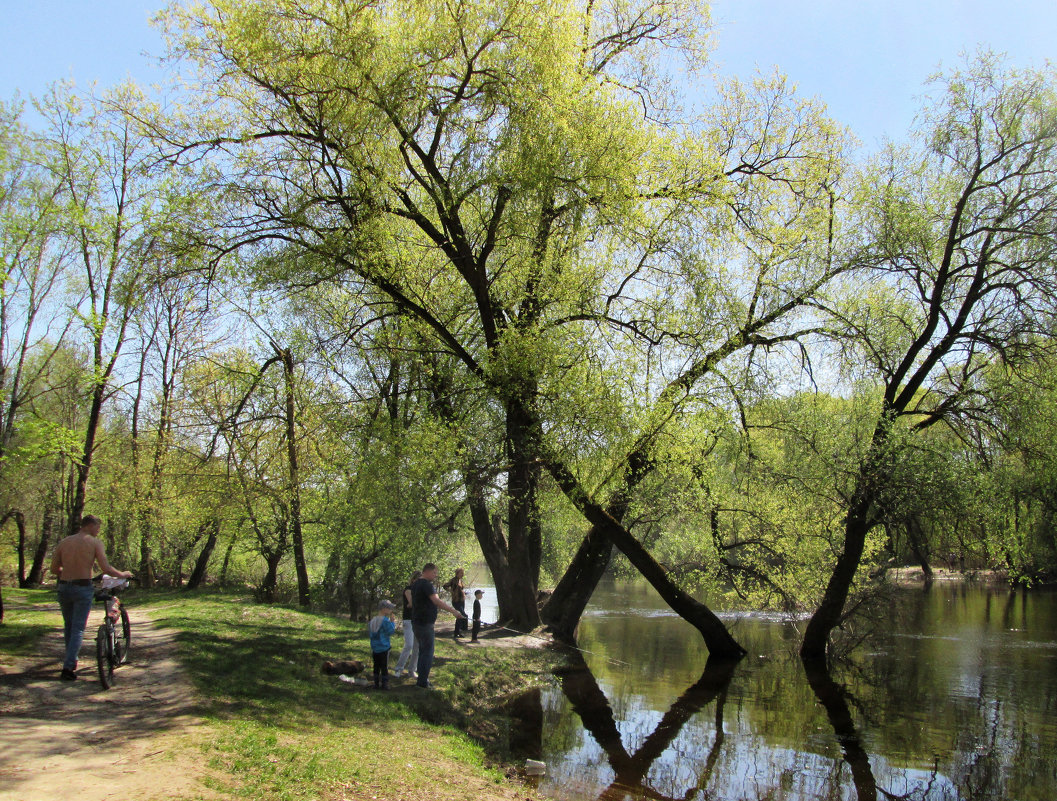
280, 729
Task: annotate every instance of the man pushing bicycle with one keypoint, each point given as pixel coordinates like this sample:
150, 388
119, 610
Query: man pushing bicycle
73, 562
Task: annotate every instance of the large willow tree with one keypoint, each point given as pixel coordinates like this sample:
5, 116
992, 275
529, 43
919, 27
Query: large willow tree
509, 175
959, 234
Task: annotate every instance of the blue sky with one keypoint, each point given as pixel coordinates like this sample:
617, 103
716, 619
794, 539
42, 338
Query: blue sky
866, 59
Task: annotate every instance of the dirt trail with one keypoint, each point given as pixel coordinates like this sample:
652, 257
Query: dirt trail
61, 740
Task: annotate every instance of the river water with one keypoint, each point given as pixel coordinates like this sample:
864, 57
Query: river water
958, 700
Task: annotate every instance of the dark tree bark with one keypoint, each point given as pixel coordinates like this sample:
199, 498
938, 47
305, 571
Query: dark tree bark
227, 557
47, 530
523, 524
717, 639
270, 582
916, 541
20, 524
860, 518
198, 574
565, 607
828, 615
304, 597
563, 610
84, 467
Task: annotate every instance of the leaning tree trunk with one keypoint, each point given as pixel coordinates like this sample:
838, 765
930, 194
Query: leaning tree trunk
565, 607
717, 639
198, 574
563, 610
857, 524
830, 610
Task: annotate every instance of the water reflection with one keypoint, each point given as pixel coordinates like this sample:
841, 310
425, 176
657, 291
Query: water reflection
631, 769
957, 702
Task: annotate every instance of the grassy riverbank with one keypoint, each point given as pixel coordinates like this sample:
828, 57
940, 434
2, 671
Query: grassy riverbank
274, 727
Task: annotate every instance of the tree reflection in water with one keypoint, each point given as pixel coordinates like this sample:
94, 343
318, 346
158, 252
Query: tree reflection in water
956, 701
591, 704
833, 698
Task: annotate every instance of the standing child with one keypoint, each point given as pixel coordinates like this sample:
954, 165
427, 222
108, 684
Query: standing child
409, 653
477, 595
381, 629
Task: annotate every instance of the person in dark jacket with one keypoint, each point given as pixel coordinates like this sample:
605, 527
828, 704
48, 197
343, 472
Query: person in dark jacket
424, 605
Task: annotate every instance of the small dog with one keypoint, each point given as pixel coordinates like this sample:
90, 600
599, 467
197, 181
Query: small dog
349, 667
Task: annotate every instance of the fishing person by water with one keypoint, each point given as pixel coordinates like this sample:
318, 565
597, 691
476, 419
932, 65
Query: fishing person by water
424, 604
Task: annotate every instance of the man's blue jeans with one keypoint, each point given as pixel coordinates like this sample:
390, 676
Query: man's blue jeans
424, 637
75, 602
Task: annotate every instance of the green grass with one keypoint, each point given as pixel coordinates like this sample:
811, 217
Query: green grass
285, 730
28, 616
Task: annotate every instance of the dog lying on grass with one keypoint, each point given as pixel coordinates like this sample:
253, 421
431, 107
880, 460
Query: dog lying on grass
348, 667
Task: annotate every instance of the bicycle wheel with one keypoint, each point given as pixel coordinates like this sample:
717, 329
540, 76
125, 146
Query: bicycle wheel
122, 638
103, 651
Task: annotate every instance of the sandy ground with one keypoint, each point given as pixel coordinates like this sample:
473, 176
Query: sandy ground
61, 740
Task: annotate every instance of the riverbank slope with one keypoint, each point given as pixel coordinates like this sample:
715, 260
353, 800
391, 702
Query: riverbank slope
226, 698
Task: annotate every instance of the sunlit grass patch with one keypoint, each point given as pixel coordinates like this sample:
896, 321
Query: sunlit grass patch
29, 616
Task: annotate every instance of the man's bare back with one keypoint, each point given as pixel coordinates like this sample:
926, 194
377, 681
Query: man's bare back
76, 555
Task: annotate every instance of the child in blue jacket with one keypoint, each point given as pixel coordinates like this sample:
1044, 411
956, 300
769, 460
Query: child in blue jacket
381, 628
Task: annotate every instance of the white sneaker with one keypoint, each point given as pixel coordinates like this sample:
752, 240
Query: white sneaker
398, 673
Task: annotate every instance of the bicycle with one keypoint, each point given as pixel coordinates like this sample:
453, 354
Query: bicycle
112, 641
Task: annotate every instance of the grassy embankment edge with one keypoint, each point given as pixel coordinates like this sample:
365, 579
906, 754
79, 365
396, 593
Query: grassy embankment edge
275, 727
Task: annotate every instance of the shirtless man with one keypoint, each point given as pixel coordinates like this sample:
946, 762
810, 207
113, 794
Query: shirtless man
72, 562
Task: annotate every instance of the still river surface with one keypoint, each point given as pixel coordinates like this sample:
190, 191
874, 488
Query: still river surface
957, 701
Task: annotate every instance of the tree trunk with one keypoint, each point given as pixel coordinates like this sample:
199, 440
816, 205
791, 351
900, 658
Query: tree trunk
563, 610
350, 590
84, 467
916, 541
828, 615
266, 592
303, 588
717, 639
523, 525
199, 573
565, 607
47, 526
147, 576
227, 558
12, 514
516, 608
860, 519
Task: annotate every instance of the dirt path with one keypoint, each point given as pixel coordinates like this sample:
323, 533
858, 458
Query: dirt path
60, 740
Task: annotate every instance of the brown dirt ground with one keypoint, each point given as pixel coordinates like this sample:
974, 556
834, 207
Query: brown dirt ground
60, 740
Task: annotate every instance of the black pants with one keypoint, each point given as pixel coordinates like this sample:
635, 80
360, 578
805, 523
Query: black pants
381, 668
476, 629
460, 623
